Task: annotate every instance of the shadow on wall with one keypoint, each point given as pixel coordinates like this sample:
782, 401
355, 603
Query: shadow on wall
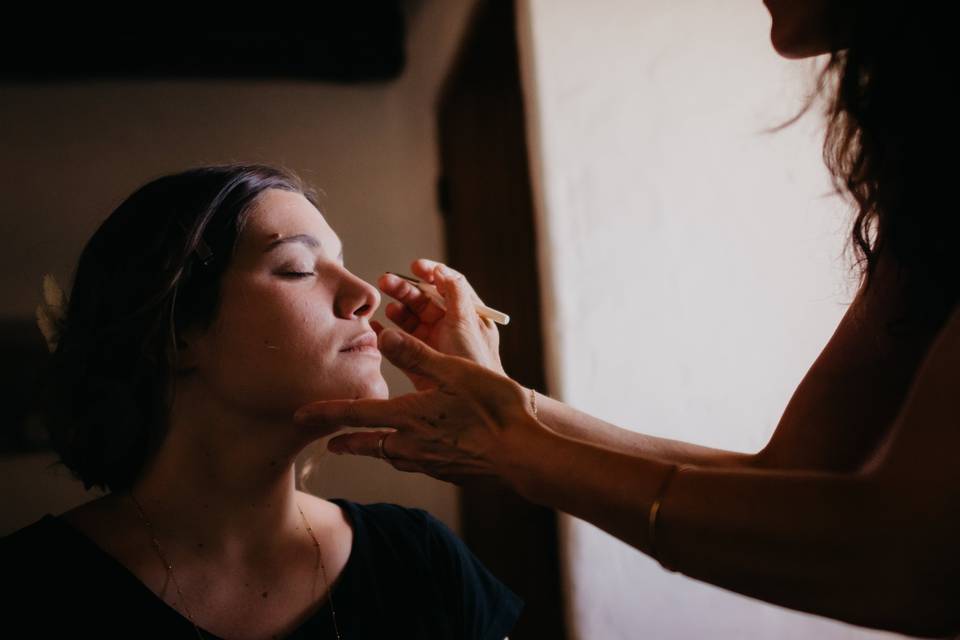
359, 41
23, 354
33, 483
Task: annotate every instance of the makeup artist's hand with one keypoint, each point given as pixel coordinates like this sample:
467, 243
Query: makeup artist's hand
471, 423
458, 331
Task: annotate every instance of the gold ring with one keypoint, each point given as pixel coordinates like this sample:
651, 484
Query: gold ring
383, 454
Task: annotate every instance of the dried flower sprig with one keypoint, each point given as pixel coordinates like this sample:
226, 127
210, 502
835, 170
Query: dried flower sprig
51, 312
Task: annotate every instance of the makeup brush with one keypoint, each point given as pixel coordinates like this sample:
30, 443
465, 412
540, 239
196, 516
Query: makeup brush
431, 292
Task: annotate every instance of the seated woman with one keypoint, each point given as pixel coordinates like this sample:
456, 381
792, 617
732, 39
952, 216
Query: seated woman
206, 309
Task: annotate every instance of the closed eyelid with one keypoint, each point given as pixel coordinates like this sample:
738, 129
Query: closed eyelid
300, 239
305, 265
338, 258
314, 254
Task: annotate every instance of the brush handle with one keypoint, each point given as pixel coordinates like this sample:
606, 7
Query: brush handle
492, 314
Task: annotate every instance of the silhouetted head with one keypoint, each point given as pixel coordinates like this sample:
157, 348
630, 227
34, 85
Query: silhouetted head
804, 28
891, 134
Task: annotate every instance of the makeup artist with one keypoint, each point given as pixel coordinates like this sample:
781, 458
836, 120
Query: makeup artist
852, 510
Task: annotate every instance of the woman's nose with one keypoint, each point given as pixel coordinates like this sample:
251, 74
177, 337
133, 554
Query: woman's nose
357, 297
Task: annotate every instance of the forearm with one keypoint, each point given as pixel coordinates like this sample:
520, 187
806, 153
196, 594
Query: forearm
832, 545
578, 425
839, 545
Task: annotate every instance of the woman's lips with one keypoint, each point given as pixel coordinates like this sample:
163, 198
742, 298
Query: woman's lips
362, 350
365, 343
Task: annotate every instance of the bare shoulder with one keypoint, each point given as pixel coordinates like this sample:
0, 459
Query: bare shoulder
926, 434
845, 405
915, 468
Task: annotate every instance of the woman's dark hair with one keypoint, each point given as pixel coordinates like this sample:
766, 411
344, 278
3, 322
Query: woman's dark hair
152, 269
891, 133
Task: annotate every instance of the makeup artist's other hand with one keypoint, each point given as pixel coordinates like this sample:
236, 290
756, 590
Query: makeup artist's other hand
470, 424
458, 331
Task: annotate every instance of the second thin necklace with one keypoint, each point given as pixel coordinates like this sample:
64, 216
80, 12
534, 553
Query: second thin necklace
169, 567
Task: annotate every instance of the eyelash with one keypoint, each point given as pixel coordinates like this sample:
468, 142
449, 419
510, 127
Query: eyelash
297, 275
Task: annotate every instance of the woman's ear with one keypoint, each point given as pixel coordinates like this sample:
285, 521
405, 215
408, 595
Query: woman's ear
185, 356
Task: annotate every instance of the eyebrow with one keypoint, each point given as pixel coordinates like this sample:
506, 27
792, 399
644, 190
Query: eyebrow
302, 238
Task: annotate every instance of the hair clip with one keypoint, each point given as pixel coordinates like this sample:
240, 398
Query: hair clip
203, 252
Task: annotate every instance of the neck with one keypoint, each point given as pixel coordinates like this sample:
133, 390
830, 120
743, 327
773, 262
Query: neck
224, 482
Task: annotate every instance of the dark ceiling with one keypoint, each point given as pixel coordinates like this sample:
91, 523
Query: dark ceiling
347, 42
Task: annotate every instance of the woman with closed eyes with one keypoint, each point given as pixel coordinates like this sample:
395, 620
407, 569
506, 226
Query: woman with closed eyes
203, 311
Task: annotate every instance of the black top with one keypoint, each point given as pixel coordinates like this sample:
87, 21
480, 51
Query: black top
408, 576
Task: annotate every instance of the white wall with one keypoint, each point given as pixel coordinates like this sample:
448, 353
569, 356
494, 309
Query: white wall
70, 152
692, 265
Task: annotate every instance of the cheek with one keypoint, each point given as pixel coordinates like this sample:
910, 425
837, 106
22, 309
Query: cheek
264, 339
278, 353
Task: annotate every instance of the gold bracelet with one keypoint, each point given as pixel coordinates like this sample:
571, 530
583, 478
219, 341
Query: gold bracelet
655, 510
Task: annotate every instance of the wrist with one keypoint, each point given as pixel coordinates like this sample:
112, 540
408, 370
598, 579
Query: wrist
533, 402
543, 409
527, 447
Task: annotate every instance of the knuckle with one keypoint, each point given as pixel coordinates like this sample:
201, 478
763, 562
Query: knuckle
462, 324
413, 352
421, 351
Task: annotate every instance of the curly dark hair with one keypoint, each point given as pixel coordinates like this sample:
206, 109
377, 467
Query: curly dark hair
891, 126
152, 269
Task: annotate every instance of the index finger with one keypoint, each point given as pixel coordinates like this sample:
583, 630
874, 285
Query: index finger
416, 303
327, 416
424, 268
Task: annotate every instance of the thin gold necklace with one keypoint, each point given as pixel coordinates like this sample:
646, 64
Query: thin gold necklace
166, 563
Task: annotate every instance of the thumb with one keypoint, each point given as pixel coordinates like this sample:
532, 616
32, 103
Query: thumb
456, 291
412, 355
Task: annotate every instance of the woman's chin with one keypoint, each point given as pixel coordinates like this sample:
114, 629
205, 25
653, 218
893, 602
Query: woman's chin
359, 388
372, 387
380, 389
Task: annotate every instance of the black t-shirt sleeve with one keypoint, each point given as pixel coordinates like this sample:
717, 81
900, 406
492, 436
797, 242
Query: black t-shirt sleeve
484, 607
